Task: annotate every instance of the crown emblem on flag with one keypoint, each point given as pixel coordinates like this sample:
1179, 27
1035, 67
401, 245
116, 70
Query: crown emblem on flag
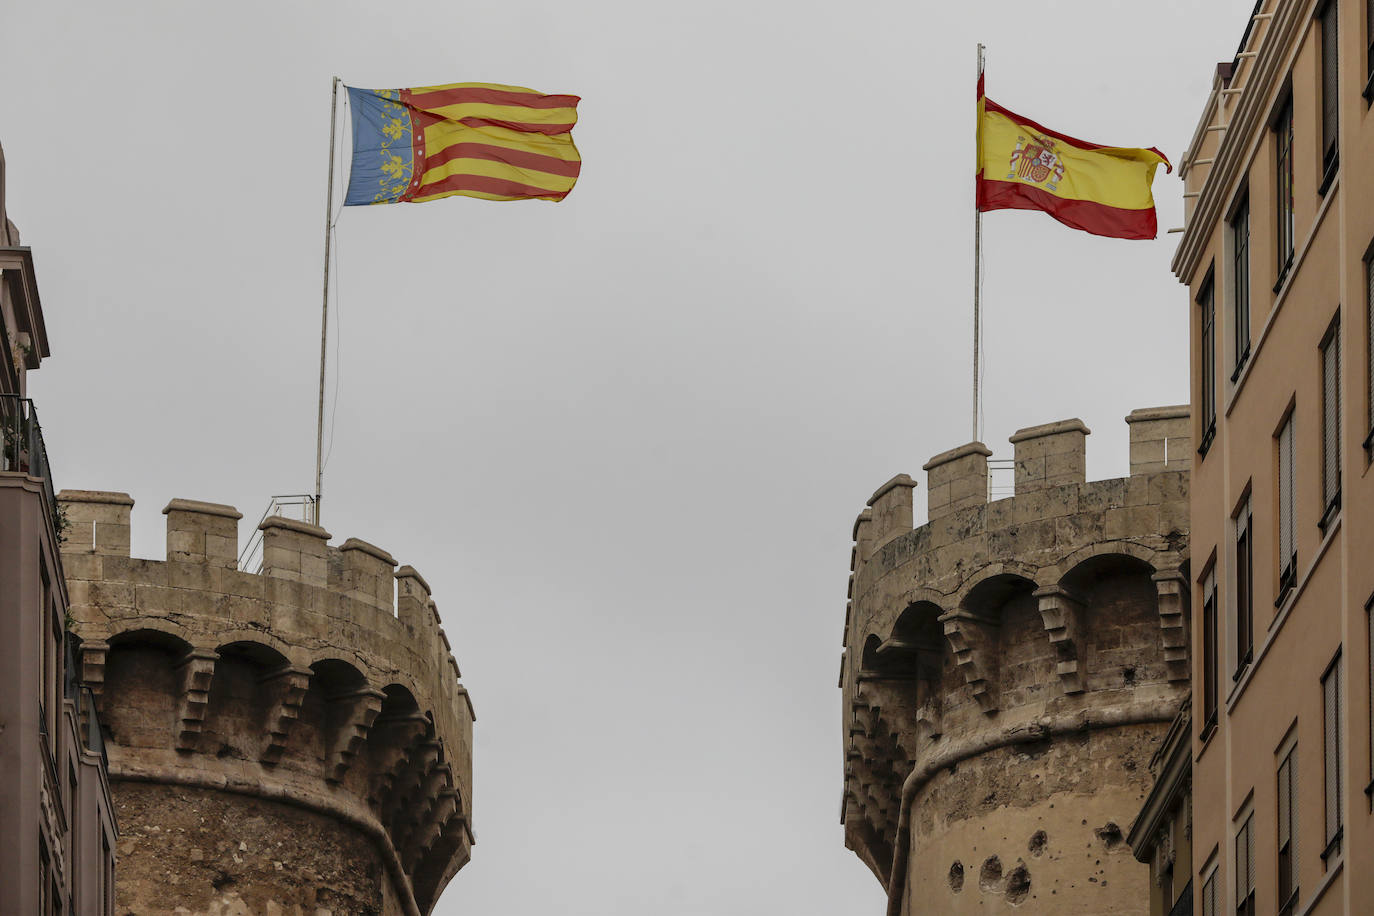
1035, 160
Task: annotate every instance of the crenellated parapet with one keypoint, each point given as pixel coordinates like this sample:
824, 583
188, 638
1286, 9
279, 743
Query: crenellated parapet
999, 656
325, 683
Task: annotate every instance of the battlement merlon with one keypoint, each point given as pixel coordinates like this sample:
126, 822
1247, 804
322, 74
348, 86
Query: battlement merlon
305, 591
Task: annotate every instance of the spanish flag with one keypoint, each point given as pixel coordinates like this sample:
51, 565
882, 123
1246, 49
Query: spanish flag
1104, 190
473, 139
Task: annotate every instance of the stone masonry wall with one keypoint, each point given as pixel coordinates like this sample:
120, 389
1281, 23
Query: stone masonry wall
1008, 668
302, 706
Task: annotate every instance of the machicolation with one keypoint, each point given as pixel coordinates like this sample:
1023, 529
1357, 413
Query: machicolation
1009, 668
290, 741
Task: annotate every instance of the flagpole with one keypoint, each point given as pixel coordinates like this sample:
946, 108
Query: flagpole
324, 311
977, 281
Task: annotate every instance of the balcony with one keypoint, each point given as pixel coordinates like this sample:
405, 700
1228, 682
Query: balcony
21, 445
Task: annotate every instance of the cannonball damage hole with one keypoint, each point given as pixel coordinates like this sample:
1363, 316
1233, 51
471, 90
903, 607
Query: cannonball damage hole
1109, 834
990, 876
1037, 843
956, 876
1018, 883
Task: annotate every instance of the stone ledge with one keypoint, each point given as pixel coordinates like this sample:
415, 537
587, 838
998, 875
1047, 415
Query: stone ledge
109, 498
972, 448
195, 505
1049, 429
901, 480
409, 572
1143, 414
371, 550
291, 524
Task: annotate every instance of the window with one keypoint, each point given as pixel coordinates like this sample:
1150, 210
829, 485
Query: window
1369, 620
1369, 327
1369, 47
1331, 421
1331, 758
1245, 868
1288, 550
106, 874
1283, 144
1209, 653
74, 834
1208, 898
1240, 284
1288, 834
1330, 96
1207, 370
1245, 590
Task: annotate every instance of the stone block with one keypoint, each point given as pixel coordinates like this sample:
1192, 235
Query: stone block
368, 573
1050, 455
309, 543
412, 598
957, 479
892, 509
1161, 438
193, 525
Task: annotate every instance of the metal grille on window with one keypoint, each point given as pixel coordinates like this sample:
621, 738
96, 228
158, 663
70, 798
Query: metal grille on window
1245, 868
1331, 418
1209, 651
1283, 132
1330, 91
1208, 368
1288, 839
1240, 270
1331, 758
1245, 606
1288, 560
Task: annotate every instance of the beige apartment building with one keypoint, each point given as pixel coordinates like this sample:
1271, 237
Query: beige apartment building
57, 824
1278, 256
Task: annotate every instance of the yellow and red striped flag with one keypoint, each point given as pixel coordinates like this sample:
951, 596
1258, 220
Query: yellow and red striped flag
472, 139
1104, 190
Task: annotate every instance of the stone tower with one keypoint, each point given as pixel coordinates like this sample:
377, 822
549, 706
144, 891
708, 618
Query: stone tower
1009, 668
294, 741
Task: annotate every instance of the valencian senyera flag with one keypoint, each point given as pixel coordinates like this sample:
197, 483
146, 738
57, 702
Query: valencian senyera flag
1100, 189
473, 139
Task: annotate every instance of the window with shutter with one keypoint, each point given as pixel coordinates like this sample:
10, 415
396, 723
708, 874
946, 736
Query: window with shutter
1240, 283
1331, 758
1288, 551
1209, 654
1208, 898
1245, 868
1245, 582
1207, 370
1331, 421
1369, 327
1330, 90
1283, 145
1288, 841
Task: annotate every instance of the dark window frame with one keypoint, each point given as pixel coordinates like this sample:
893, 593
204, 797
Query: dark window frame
1287, 506
1329, 85
1283, 191
1207, 373
1330, 351
1369, 50
1245, 587
1245, 890
1239, 228
1211, 688
1332, 754
1287, 863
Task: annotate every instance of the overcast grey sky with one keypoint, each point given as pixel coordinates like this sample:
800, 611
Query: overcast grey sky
624, 437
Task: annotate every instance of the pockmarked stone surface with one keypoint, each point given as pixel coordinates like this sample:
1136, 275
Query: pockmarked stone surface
1009, 668
314, 703
198, 852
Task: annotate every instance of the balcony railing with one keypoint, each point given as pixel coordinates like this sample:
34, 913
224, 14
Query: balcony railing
21, 444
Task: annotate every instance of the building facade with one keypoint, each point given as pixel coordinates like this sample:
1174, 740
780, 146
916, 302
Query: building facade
1009, 669
1278, 257
58, 826
288, 739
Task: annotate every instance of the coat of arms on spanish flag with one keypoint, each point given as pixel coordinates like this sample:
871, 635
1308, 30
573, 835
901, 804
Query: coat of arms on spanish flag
1104, 190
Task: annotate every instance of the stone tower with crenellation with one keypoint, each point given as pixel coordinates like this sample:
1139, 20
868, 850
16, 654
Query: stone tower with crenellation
289, 741
1009, 669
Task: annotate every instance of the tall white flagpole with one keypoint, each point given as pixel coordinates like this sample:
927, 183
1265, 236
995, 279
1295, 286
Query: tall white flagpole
977, 284
324, 312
